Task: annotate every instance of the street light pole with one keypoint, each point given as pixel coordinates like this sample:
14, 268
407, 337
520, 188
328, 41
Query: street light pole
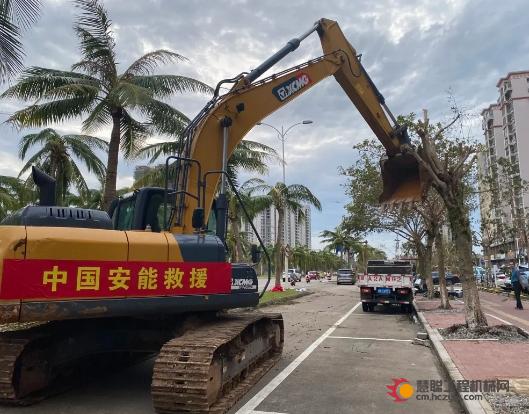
281, 135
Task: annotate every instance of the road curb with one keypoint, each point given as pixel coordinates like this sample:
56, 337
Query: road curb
470, 406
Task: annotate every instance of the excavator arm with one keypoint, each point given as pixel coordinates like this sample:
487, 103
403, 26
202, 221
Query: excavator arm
224, 122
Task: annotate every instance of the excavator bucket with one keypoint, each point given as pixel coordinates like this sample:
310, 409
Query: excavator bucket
402, 180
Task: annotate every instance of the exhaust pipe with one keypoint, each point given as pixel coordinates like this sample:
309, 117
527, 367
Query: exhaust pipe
46, 186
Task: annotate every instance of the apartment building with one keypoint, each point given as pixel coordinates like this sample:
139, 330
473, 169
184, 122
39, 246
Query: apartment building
506, 132
297, 228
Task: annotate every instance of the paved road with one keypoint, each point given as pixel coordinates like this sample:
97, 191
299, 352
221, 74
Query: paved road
347, 370
349, 366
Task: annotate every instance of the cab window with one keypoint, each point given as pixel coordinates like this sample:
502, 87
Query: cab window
125, 214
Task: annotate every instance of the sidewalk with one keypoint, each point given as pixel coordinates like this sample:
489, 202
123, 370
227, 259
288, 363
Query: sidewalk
474, 363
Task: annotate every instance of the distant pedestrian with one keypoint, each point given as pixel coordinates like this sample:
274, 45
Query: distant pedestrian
517, 287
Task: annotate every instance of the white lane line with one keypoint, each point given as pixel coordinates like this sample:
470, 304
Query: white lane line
500, 319
258, 398
370, 339
471, 339
266, 412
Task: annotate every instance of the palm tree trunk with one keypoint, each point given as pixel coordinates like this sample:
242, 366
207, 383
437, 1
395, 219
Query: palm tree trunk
279, 246
112, 163
439, 244
236, 230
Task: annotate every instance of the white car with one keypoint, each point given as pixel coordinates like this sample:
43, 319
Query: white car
503, 281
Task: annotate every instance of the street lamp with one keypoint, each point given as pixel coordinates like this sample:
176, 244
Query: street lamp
282, 136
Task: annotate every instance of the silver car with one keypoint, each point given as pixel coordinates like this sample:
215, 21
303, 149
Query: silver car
345, 276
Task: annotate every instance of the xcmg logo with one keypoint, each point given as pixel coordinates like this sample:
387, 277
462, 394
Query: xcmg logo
291, 86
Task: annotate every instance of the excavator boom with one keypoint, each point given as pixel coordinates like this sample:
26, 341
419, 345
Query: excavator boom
225, 121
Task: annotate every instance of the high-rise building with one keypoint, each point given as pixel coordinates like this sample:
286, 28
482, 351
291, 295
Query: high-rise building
297, 227
506, 131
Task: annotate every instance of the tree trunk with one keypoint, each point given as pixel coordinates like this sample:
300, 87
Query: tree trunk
279, 246
236, 230
460, 226
445, 303
112, 163
428, 248
425, 266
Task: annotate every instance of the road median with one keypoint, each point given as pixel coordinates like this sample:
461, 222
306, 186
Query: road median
280, 298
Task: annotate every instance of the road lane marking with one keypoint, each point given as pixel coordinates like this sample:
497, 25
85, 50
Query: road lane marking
471, 339
500, 319
369, 339
258, 398
266, 412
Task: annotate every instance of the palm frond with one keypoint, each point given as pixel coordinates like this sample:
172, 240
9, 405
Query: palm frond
164, 118
150, 61
11, 51
37, 159
99, 116
133, 135
155, 151
33, 139
93, 27
51, 112
37, 82
23, 13
165, 85
126, 94
14, 16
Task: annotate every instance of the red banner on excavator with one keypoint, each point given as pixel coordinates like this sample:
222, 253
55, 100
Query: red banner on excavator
79, 279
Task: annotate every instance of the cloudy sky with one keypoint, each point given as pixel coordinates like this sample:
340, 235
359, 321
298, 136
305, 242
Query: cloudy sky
414, 50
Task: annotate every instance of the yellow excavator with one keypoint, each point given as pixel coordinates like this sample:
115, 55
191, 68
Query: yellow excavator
84, 289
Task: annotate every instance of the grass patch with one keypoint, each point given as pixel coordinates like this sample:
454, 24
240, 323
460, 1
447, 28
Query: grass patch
275, 298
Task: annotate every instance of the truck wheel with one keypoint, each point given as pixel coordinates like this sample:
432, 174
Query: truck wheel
365, 307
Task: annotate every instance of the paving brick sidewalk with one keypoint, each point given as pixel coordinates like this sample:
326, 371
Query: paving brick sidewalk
479, 359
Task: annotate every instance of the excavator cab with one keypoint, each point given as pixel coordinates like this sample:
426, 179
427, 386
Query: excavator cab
141, 210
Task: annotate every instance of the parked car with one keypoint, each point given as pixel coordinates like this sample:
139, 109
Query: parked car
313, 275
345, 276
503, 281
420, 282
452, 290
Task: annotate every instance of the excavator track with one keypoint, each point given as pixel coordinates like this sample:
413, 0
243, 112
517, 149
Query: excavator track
10, 350
208, 369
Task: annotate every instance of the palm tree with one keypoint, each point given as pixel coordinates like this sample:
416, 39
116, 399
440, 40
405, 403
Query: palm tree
57, 155
283, 197
14, 194
15, 15
94, 88
341, 242
249, 155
